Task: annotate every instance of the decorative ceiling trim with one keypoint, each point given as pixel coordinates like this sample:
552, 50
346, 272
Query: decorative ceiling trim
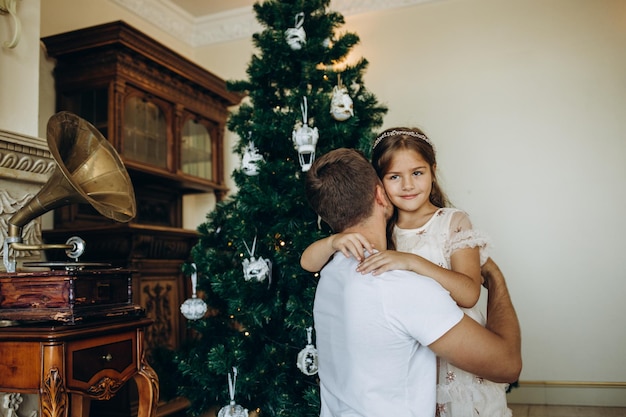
234, 24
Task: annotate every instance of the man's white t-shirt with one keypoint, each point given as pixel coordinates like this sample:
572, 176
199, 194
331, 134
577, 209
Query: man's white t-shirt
372, 334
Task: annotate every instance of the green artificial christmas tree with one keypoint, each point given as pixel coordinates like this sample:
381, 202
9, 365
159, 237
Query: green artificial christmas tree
303, 100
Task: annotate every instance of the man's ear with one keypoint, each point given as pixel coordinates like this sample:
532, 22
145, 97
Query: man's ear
381, 196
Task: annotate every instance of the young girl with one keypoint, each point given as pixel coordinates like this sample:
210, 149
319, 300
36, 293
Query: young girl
431, 239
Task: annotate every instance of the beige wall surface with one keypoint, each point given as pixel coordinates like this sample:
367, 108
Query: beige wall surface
19, 100
58, 16
525, 102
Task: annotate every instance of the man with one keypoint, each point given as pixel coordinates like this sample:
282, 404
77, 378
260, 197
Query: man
377, 337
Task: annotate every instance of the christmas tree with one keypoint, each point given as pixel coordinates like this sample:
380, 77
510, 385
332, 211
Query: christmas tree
303, 98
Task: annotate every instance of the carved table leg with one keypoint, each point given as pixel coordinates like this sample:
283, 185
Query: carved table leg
54, 397
148, 389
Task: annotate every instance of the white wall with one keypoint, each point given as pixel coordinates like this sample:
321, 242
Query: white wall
19, 100
525, 101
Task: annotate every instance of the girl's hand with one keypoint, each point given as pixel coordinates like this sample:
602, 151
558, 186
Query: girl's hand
385, 261
351, 244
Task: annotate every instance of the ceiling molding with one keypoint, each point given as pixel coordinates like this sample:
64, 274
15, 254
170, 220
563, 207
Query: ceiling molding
232, 25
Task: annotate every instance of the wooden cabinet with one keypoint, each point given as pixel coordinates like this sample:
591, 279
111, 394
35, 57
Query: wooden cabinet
84, 362
164, 114
166, 117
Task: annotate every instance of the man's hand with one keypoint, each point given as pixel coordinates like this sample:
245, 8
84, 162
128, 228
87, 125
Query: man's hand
489, 271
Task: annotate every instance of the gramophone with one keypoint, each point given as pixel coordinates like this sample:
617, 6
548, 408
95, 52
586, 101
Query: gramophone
90, 171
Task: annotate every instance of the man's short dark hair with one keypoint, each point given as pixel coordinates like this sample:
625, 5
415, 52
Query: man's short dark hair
341, 188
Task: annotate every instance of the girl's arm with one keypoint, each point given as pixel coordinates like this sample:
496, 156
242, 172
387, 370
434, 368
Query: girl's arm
463, 281
317, 254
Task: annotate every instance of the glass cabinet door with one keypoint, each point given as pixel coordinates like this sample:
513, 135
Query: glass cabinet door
145, 132
196, 151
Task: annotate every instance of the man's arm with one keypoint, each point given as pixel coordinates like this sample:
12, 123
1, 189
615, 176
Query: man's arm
493, 352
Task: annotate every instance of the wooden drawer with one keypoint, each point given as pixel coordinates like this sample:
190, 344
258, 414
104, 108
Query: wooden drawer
100, 366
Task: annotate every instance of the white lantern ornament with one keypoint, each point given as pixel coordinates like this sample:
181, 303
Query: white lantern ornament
307, 358
250, 160
304, 140
296, 36
341, 106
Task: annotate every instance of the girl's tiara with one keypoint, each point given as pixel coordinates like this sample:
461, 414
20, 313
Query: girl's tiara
418, 135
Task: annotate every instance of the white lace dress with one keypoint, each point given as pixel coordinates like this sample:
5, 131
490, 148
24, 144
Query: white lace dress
459, 393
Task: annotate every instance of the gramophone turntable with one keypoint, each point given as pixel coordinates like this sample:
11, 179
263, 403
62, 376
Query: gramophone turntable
89, 170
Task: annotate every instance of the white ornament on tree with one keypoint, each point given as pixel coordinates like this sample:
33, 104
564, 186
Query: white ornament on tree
296, 36
251, 159
256, 269
307, 358
233, 409
305, 139
341, 106
193, 308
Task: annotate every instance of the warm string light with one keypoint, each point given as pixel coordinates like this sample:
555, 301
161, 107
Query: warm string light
280, 243
238, 326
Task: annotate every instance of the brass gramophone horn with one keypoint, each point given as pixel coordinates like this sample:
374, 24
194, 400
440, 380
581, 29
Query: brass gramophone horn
89, 170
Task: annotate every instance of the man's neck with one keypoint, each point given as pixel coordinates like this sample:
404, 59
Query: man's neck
373, 230
374, 227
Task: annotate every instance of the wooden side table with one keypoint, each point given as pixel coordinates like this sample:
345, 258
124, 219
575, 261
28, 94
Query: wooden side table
68, 365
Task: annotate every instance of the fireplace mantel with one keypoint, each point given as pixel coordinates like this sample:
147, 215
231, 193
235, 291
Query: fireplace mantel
25, 165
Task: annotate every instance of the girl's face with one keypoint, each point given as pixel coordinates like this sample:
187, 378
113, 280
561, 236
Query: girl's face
408, 182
